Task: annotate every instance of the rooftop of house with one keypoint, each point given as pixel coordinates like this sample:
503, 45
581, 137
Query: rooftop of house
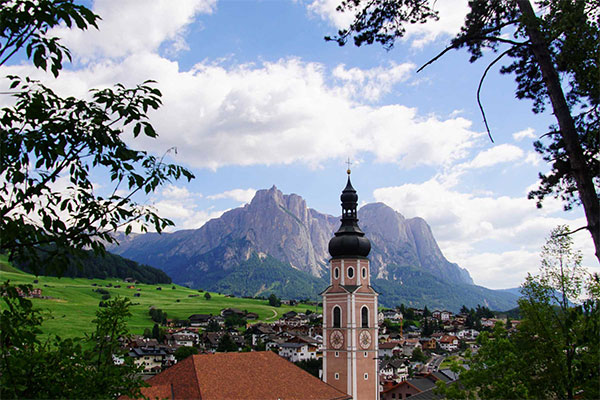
448, 338
389, 345
422, 383
146, 351
202, 317
292, 345
394, 363
252, 376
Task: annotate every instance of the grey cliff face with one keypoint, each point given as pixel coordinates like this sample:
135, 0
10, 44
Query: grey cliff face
431, 256
283, 227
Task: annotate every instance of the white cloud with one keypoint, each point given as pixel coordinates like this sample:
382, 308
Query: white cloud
524, 134
496, 155
326, 9
533, 158
371, 84
274, 113
180, 205
452, 15
241, 195
501, 270
184, 215
132, 26
466, 223
180, 193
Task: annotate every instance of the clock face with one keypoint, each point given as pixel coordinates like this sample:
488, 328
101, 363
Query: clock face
336, 339
364, 339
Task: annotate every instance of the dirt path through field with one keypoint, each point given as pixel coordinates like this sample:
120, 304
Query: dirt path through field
274, 314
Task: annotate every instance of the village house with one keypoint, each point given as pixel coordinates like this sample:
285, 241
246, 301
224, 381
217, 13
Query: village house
396, 336
449, 343
140, 341
489, 322
467, 334
419, 312
394, 370
428, 343
226, 312
413, 387
237, 338
294, 319
393, 315
408, 388
295, 352
150, 358
251, 316
409, 346
259, 332
211, 339
412, 331
184, 339
315, 342
200, 319
35, 292
272, 342
390, 349
443, 315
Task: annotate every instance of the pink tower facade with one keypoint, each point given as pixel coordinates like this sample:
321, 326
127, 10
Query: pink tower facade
350, 329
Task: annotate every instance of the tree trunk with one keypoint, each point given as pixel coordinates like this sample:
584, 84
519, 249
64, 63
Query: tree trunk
583, 177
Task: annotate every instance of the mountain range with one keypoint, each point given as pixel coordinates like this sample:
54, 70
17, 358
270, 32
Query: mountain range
276, 244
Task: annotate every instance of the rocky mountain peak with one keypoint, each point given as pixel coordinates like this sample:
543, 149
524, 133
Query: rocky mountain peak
283, 227
267, 197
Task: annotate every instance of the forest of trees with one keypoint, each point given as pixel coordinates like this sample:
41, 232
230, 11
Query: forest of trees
107, 266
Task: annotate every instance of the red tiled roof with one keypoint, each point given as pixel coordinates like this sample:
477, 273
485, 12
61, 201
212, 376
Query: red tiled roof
250, 376
448, 339
388, 345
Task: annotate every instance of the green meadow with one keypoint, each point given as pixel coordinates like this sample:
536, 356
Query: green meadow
72, 303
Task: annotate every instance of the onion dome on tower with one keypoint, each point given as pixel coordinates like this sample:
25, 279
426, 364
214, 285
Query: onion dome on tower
349, 241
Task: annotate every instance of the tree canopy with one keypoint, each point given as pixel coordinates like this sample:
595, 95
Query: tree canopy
46, 138
554, 60
555, 350
36, 367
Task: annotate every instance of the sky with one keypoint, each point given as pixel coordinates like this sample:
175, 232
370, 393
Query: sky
253, 96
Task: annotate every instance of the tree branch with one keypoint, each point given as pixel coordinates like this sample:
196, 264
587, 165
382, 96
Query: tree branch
434, 59
550, 134
479, 91
572, 232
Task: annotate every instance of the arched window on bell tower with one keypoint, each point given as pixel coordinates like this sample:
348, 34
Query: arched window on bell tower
364, 314
337, 317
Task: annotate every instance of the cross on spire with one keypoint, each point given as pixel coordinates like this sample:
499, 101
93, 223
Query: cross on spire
349, 164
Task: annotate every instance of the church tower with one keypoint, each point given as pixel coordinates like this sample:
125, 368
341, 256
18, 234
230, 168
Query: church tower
350, 330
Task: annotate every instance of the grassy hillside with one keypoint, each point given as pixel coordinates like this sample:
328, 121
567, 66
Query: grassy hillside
249, 278
73, 303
